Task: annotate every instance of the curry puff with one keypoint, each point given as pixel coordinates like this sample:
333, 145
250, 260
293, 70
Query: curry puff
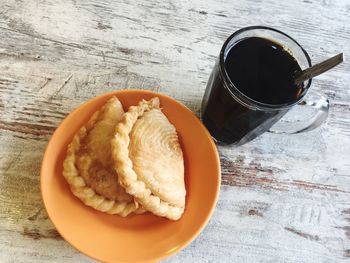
123, 162
149, 160
88, 167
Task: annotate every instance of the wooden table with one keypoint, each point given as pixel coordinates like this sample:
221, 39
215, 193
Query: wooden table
284, 198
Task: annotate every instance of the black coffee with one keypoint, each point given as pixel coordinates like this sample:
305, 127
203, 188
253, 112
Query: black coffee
263, 71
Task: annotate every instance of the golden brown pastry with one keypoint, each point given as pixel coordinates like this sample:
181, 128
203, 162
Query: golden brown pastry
88, 167
149, 160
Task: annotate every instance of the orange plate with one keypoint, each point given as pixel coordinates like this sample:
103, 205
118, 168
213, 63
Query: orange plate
146, 237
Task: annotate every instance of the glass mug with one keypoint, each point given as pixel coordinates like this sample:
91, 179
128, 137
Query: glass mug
235, 118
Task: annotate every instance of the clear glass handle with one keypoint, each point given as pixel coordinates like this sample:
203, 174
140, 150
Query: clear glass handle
306, 116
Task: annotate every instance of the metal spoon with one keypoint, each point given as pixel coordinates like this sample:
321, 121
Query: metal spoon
317, 69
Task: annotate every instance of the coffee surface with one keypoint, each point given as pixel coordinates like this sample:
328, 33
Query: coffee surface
263, 70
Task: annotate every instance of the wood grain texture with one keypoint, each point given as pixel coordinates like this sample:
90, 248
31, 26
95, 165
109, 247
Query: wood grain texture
285, 198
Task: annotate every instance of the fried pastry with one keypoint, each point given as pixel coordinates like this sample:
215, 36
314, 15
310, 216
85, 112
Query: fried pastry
88, 167
149, 160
